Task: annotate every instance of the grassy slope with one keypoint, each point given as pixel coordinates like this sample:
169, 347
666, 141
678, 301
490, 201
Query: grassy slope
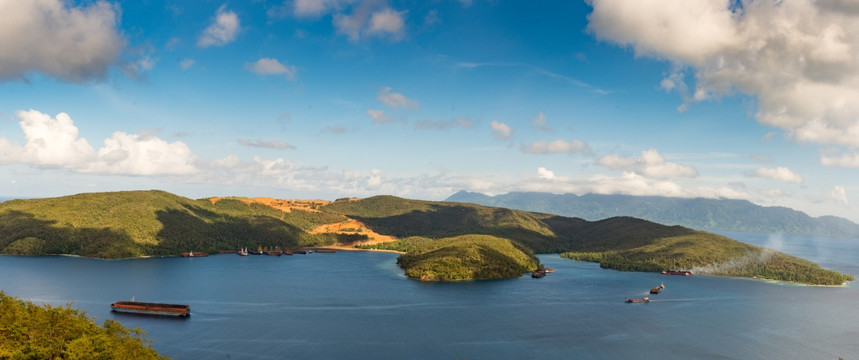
138, 223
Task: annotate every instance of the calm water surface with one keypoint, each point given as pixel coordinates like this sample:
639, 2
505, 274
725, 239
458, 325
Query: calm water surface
353, 305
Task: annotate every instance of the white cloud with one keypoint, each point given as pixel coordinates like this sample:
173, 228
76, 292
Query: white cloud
616, 162
429, 124
269, 66
142, 155
371, 18
651, 164
778, 174
840, 195
395, 100
378, 116
186, 64
800, 59
70, 43
222, 30
312, 8
270, 144
540, 121
848, 160
556, 146
52, 142
501, 130
544, 173
387, 21
55, 142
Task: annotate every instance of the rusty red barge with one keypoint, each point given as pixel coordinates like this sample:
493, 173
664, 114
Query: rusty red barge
147, 308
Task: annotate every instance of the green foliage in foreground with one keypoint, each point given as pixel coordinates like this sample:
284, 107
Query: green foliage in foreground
29, 331
467, 257
140, 223
706, 253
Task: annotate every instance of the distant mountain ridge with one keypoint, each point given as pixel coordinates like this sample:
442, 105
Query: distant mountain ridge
696, 213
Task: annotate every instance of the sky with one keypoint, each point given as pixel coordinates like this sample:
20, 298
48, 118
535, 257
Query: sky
322, 99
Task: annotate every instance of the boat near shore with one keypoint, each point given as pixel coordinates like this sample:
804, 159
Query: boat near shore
194, 254
645, 299
147, 308
541, 272
677, 272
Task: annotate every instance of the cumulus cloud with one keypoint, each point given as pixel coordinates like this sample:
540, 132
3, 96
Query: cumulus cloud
371, 18
396, 100
778, 174
800, 59
539, 122
142, 155
429, 124
70, 43
378, 116
187, 63
268, 144
222, 30
840, 195
847, 160
55, 142
544, 173
651, 164
556, 146
269, 66
501, 130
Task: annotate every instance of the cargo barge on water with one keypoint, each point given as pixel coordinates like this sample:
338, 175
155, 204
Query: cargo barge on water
147, 308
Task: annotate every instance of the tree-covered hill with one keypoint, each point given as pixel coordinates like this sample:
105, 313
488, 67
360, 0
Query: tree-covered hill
467, 257
696, 213
144, 223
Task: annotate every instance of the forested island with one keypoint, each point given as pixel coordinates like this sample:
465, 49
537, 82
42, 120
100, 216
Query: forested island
441, 241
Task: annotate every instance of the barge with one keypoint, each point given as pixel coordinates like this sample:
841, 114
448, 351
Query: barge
677, 272
147, 308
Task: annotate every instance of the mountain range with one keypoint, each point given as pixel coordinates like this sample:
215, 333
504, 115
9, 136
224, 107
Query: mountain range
695, 213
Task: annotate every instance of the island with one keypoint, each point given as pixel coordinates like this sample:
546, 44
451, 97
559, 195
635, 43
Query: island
439, 241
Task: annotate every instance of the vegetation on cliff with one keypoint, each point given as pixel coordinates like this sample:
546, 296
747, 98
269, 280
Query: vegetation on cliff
467, 257
29, 331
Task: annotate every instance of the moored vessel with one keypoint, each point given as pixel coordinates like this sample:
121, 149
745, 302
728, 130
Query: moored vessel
645, 299
194, 254
677, 272
147, 308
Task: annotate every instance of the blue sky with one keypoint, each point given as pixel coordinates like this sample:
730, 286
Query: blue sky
420, 99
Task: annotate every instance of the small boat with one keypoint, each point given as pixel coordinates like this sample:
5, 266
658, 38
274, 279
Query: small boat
646, 299
302, 252
677, 272
243, 252
325, 251
541, 272
273, 252
657, 289
147, 308
194, 254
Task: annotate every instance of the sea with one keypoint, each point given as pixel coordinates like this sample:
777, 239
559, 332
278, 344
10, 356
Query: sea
359, 305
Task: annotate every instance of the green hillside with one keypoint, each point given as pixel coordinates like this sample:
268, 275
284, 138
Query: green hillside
146, 223
143, 223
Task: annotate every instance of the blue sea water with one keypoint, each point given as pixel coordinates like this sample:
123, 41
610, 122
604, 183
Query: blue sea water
358, 305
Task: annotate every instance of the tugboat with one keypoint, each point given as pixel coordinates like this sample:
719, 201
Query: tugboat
657, 289
646, 299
